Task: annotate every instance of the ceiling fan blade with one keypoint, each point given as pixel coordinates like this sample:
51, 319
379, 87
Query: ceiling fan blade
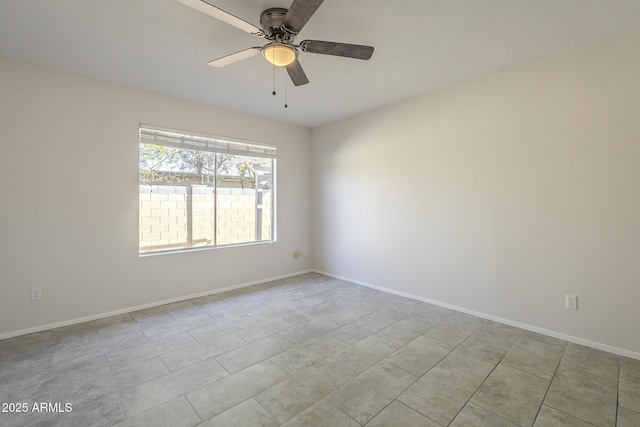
297, 74
235, 57
209, 9
356, 51
299, 13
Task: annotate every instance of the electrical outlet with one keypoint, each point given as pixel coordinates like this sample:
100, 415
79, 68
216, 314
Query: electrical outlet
571, 302
36, 294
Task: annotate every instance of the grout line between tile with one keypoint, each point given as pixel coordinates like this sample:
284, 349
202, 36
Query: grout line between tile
618, 390
483, 381
549, 387
194, 409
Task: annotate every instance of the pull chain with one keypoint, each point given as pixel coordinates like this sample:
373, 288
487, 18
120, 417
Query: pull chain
286, 87
274, 80
285, 93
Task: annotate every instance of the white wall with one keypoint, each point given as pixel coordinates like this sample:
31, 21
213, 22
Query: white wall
69, 148
499, 196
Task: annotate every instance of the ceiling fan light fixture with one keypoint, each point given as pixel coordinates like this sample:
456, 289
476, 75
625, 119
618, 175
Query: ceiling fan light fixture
280, 27
279, 54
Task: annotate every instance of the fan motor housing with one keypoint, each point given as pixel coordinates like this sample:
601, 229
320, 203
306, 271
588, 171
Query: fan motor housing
272, 18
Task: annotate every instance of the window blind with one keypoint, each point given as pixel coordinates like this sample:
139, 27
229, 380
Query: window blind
173, 138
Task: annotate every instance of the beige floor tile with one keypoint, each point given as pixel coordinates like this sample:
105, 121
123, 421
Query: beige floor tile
592, 362
629, 393
363, 355
267, 328
148, 350
534, 357
512, 394
397, 414
472, 415
302, 390
246, 414
223, 327
76, 354
405, 330
322, 414
627, 418
475, 357
441, 393
306, 354
583, 396
498, 334
448, 335
549, 417
104, 411
250, 354
419, 355
217, 397
311, 350
176, 413
168, 387
370, 392
76, 384
195, 353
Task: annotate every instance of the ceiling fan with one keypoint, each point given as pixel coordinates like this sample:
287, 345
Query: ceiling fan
280, 27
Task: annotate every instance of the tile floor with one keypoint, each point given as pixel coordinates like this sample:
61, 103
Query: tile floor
310, 351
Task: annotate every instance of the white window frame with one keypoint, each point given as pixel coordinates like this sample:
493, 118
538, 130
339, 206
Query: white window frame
156, 135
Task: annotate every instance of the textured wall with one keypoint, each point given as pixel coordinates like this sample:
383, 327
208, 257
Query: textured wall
69, 215
516, 190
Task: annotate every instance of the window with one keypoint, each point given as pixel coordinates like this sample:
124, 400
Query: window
202, 191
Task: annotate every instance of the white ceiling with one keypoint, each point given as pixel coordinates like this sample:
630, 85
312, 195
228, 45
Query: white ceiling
421, 46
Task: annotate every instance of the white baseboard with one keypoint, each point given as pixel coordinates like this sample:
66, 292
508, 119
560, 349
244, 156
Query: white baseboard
46, 327
593, 344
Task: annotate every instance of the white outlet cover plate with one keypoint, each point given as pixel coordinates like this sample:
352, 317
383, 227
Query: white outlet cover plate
36, 294
571, 302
